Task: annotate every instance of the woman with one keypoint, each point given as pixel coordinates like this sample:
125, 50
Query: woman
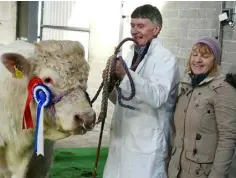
205, 117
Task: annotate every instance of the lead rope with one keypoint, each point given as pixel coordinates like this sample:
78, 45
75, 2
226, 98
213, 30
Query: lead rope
110, 81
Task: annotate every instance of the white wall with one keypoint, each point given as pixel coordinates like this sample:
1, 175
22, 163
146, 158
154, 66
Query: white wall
104, 26
7, 21
102, 17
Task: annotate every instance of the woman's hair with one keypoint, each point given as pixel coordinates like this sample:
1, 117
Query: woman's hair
204, 49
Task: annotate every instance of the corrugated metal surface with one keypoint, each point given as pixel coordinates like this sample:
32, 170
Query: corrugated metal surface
57, 12
66, 13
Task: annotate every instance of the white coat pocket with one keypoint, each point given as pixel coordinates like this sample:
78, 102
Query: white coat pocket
145, 140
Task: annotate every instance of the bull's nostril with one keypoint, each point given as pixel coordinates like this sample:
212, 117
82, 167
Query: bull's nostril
78, 119
85, 120
94, 119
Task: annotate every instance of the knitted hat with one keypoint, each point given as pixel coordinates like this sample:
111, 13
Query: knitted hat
214, 45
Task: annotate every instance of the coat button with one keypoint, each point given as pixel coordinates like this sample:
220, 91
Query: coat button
197, 172
194, 151
198, 136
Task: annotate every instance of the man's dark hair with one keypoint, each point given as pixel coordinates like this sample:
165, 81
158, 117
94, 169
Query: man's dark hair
148, 11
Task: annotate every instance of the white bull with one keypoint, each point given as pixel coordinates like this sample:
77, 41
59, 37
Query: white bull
62, 67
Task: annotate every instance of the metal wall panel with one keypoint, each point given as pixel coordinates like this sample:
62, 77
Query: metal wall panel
66, 20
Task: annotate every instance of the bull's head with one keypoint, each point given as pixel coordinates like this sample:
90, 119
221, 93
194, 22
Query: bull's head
62, 67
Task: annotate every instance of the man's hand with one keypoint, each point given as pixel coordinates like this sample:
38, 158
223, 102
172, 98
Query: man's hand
119, 69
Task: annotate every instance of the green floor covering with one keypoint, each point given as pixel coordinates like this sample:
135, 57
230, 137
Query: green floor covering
77, 162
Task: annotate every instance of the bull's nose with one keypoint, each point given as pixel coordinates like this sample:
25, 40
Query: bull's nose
85, 120
78, 120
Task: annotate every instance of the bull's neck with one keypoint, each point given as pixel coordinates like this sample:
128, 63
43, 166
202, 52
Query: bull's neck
13, 94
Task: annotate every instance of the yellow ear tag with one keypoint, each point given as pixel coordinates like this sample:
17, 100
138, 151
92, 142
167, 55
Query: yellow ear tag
18, 73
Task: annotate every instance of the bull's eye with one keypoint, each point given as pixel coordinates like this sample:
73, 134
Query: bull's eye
47, 80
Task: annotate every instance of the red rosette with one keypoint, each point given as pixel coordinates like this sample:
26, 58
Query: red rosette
27, 119
32, 83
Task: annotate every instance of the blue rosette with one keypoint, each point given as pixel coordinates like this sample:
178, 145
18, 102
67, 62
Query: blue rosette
43, 97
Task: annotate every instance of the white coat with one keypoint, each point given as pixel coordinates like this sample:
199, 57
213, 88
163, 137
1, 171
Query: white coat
139, 139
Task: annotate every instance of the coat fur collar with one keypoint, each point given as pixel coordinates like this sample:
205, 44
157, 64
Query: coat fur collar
231, 79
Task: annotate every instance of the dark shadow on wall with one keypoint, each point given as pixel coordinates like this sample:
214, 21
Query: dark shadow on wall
27, 20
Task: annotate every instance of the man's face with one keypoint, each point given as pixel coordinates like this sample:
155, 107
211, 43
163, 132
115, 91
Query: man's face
143, 30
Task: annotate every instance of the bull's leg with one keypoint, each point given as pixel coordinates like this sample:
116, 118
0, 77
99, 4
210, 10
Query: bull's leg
2, 144
18, 153
19, 171
1, 175
3, 163
18, 163
6, 174
43, 163
4, 171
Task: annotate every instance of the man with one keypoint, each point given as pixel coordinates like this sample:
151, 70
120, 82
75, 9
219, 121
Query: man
140, 138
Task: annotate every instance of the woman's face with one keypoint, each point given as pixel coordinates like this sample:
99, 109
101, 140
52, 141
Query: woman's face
201, 59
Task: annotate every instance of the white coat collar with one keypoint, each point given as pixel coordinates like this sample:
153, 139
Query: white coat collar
154, 44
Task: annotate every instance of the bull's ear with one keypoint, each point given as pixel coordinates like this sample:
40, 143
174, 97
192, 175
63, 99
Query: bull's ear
16, 64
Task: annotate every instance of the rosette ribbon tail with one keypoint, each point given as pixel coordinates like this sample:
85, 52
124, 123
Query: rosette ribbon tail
39, 143
42, 96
